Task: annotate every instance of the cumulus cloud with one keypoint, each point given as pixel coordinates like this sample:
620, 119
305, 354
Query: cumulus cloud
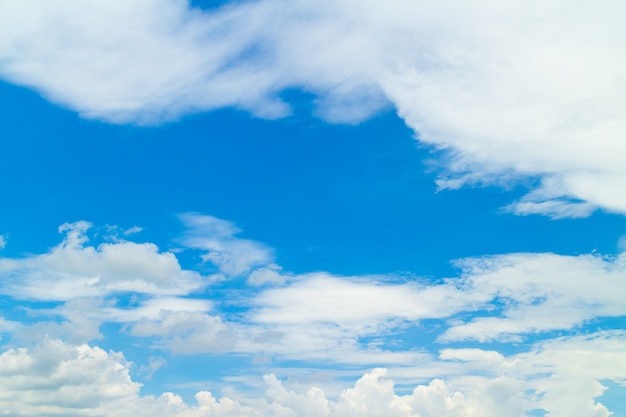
56, 378
313, 318
507, 90
75, 269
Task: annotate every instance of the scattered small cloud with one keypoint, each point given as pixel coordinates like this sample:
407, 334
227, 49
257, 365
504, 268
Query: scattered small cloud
132, 230
154, 364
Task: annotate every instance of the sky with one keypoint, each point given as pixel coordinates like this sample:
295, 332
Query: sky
312, 208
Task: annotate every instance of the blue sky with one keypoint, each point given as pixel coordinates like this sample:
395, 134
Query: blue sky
312, 209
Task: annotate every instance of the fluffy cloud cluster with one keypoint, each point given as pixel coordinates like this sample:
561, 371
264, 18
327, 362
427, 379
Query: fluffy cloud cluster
508, 90
74, 269
55, 378
315, 317
311, 318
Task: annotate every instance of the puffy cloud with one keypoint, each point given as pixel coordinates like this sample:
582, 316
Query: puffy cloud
59, 379
560, 377
319, 316
355, 322
508, 90
269, 274
74, 269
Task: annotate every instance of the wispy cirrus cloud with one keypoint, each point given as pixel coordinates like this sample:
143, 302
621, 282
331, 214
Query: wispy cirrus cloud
508, 91
233, 256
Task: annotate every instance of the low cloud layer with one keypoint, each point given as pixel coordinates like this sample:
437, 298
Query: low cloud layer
55, 378
358, 322
509, 91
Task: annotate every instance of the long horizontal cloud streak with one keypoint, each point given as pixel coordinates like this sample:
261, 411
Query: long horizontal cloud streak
518, 291
508, 90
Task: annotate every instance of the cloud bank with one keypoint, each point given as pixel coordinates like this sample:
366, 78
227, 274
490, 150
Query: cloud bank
549, 302
316, 315
509, 91
55, 378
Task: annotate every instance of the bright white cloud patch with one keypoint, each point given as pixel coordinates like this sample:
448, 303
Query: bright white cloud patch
358, 322
508, 89
307, 317
75, 269
509, 296
55, 378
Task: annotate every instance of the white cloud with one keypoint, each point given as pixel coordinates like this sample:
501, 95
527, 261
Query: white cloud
3, 241
132, 230
8, 326
540, 292
506, 297
501, 298
188, 332
269, 274
312, 319
308, 317
75, 269
153, 307
562, 375
56, 378
355, 302
507, 89
232, 255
